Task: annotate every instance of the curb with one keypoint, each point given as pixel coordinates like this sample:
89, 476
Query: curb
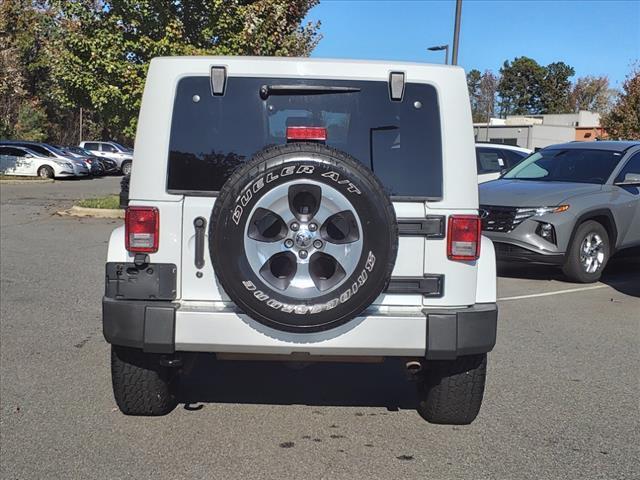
25, 182
76, 211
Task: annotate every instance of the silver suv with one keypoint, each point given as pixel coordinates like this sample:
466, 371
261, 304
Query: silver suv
122, 155
572, 205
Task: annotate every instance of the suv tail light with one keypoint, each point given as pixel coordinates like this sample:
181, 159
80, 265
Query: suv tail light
307, 133
141, 226
463, 241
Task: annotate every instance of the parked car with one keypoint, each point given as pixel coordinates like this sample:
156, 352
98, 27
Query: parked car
93, 163
110, 166
43, 149
572, 205
495, 158
123, 156
16, 160
257, 226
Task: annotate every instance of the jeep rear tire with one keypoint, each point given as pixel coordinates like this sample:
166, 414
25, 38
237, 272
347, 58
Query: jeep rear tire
141, 386
451, 391
303, 237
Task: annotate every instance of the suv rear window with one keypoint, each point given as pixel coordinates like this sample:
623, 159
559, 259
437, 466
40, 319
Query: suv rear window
212, 135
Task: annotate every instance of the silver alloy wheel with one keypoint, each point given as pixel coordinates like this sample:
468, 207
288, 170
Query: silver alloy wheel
592, 253
45, 172
126, 168
304, 238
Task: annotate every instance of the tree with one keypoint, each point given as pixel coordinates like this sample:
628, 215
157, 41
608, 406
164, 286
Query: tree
32, 122
102, 58
24, 71
482, 94
591, 93
555, 89
526, 87
623, 122
520, 86
473, 85
488, 91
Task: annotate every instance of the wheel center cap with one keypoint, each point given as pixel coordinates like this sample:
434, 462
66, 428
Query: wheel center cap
303, 239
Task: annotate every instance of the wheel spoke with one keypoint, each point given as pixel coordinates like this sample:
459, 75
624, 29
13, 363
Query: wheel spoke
302, 279
343, 254
281, 208
331, 203
265, 250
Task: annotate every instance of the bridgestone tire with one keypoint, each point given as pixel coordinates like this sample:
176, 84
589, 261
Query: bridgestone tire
282, 166
141, 386
451, 392
573, 268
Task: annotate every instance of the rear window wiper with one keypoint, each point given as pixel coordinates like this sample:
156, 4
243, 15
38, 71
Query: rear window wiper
268, 90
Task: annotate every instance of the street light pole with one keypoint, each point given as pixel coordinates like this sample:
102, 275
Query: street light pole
456, 33
438, 48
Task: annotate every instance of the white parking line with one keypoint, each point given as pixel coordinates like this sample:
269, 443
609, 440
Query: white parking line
557, 292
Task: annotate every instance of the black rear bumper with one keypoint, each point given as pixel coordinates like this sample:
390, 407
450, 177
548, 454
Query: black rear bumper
507, 252
148, 325
459, 332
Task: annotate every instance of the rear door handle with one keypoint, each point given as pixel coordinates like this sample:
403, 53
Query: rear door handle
200, 224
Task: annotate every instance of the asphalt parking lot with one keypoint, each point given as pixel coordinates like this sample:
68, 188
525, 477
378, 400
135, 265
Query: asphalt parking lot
561, 399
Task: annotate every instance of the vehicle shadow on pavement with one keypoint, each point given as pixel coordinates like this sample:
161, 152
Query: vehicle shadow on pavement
279, 383
622, 273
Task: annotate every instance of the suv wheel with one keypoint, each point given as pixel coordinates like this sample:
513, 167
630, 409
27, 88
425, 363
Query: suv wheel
451, 391
588, 253
126, 167
141, 386
303, 237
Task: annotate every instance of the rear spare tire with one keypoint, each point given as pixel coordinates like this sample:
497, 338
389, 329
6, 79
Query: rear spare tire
303, 237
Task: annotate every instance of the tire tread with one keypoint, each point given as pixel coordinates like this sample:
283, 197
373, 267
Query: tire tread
452, 391
140, 385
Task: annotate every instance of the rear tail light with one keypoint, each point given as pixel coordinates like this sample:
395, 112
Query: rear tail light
307, 133
141, 226
463, 241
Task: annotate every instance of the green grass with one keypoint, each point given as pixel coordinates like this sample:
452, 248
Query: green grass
112, 201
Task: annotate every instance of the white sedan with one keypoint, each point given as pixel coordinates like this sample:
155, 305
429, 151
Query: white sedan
25, 162
494, 158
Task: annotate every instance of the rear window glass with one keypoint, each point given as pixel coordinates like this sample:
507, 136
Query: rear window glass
212, 135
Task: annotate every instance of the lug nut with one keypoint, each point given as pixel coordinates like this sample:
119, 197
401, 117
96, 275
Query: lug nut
303, 253
295, 226
313, 227
317, 244
288, 243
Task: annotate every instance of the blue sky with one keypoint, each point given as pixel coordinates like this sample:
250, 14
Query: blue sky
594, 37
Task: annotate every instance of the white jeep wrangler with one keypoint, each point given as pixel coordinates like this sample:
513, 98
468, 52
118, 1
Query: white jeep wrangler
302, 210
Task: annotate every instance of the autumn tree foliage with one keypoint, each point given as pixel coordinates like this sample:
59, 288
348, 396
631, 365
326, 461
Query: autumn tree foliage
57, 56
623, 121
482, 93
591, 93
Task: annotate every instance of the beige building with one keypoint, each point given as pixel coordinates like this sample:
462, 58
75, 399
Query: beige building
539, 131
